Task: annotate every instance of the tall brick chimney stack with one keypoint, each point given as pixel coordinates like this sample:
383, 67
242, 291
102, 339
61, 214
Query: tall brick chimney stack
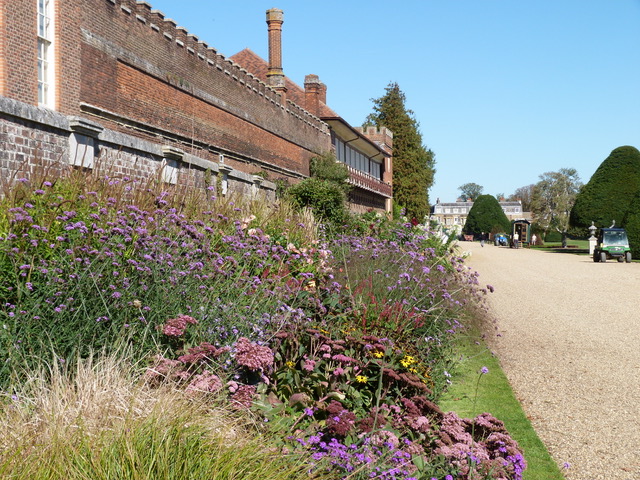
315, 92
275, 75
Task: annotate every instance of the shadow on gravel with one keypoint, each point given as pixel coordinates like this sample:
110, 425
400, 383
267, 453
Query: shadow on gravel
575, 251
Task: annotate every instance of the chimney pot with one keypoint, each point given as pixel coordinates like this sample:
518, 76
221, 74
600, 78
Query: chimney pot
275, 75
313, 93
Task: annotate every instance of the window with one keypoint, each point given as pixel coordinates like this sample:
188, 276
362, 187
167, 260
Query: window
45, 53
345, 153
376, 170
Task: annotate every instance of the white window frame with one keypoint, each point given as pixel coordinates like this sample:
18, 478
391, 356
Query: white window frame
46, 67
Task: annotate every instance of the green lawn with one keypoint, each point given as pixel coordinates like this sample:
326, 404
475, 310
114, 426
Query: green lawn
495, 396
579, 244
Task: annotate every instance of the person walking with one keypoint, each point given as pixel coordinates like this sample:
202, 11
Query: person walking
482, 239
516, 237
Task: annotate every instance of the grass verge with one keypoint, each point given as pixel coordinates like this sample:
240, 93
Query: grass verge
472, 393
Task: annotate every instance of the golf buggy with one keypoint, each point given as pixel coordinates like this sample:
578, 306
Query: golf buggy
612, 243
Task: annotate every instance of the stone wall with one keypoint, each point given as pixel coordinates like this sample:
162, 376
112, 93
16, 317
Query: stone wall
37, 141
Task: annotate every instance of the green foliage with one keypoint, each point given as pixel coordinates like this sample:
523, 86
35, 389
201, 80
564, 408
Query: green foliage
471, 190
413, 163
326, 199
552, 236
366, 365
325, 193
486, 215
610, 191
524, 195
328, 168
553, 197
631, 223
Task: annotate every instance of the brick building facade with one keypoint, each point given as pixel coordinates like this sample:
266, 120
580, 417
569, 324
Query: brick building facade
83, 81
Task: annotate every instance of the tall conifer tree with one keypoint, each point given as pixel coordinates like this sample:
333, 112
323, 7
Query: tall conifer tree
413, 163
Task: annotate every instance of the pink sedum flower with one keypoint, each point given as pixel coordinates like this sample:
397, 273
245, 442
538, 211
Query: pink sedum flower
175, 327
252, 355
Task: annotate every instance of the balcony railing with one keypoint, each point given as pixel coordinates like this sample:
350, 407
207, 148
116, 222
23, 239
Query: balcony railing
368, 182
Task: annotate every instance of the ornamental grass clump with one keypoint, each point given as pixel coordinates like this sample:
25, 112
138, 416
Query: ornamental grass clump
99, 421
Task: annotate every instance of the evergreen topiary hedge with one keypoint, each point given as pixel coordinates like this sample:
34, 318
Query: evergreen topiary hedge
609, 192
486, 215
631, 223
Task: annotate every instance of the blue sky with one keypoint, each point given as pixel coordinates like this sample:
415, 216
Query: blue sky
503, 90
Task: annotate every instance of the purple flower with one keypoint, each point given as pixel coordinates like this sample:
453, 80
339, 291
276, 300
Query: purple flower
484, 370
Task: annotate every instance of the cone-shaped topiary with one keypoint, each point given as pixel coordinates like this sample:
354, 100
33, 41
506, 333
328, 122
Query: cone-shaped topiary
631, 223
486, 215
607, 195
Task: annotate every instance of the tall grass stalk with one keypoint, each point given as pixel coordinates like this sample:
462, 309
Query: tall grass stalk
100, 423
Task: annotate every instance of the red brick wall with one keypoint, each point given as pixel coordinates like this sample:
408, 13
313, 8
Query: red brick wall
137, 64
29, 153
120, 56
19, 46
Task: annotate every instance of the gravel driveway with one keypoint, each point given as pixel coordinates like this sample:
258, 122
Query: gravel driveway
568, 338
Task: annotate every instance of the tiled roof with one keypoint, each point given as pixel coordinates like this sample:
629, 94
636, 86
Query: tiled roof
259, 67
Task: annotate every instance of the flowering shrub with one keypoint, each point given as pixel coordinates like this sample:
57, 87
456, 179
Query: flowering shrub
346, 343
87, 271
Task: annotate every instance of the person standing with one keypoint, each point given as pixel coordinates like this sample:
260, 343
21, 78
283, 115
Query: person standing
516, 237
482, 239
533, 239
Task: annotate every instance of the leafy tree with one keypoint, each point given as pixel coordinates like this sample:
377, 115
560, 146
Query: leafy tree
524, 195
552, 199
486, 215
609, 192
470, 190
413, 163
325, 192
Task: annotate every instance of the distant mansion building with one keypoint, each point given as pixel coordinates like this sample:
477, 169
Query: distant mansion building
450, 214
